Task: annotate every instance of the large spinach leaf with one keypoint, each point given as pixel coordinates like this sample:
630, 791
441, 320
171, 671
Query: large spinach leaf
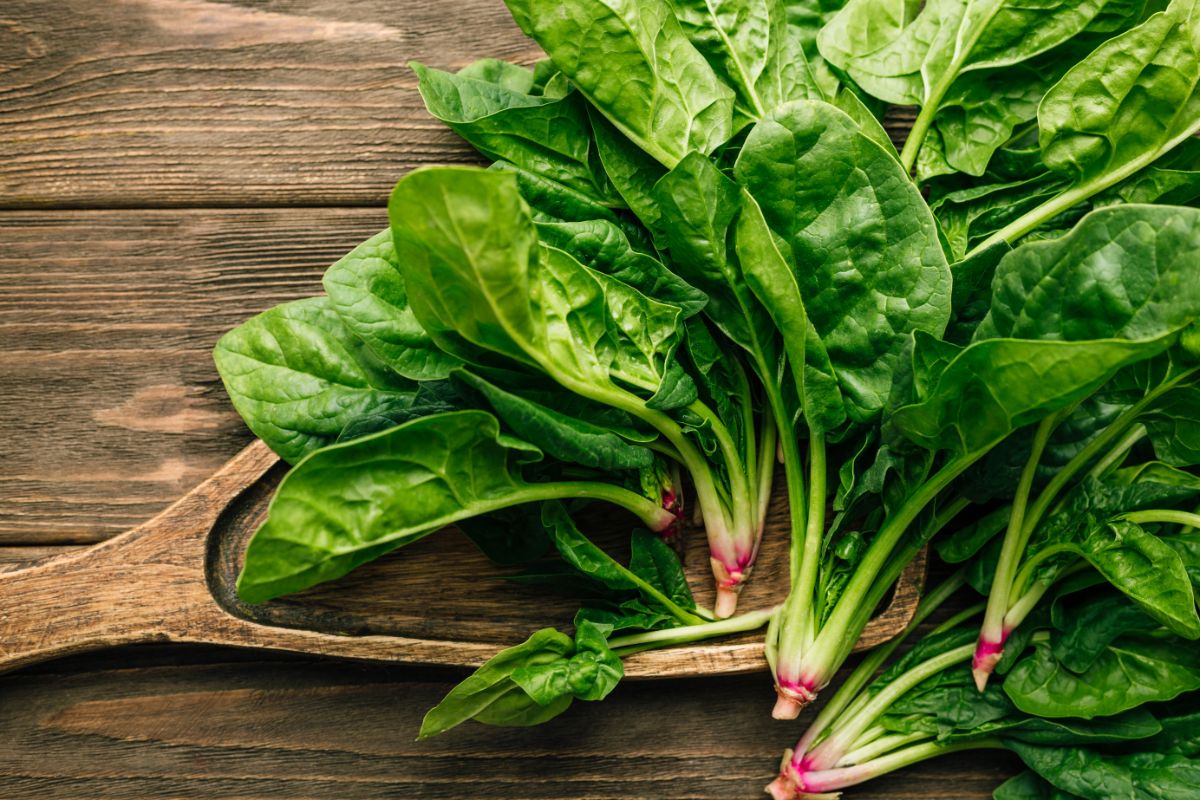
298, 376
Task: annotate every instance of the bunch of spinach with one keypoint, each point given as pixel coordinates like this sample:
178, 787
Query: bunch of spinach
1090, 701
696, 249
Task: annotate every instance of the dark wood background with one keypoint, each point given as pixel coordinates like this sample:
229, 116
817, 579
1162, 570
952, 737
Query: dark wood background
168, 168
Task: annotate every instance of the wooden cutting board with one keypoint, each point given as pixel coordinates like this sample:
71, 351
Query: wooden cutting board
438, 601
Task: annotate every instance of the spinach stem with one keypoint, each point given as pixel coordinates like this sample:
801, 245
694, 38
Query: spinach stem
1163, 515
843, 627
991, 634
871, 663
637, 642
830, 751
1076, 194
1119, 451
651, 513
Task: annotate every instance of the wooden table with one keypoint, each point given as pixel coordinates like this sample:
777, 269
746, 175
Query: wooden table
168, 168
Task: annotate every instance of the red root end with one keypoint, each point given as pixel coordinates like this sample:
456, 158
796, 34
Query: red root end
789, 785
790, 700
987, 656
729, 584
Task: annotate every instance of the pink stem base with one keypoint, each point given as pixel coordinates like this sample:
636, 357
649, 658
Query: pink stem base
729, 585
791, 698
789, 784
987, 656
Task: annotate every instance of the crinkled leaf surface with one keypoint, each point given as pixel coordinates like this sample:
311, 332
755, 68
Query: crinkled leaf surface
298, 376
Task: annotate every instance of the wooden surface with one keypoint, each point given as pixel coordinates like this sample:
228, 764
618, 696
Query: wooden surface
167, 168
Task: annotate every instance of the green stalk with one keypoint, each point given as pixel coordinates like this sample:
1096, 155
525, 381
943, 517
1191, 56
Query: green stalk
637, 642
830, 751
651, 513
1118, 453
798, 618
832, 780
866, 669
1091, 450
881, 745
766, 467
1076, 194
992, 633
1168, 516
841, 629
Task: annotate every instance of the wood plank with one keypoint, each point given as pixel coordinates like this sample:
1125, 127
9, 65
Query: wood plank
151, 103
112, 406
193, 102
150, 722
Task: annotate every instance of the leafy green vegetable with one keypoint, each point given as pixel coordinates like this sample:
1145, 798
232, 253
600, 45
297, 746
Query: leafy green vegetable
349, 503
633, 62
298, 376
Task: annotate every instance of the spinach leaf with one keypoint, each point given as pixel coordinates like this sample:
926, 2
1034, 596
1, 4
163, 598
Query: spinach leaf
561, 436
298, 376
656, 563
490, 694
590, 673
505, 121
1100, 776
602, 245
477, 274
860, 241
366, 289
665, 592
1030, 786
1132, 670
752, 49
633, 62
350, 503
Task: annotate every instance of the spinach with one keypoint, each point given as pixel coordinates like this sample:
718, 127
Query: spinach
633, 62
349, 503
298, 376
697, 252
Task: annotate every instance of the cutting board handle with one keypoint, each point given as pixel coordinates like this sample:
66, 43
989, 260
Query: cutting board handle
151, 584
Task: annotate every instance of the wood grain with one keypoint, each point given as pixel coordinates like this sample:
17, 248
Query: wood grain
151, 103
155, 723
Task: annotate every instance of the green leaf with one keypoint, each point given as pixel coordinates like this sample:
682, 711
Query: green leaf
1173, 424
563, 437
997, 385
1130, 101
579, 551
509, 536
590, 673
505, 121
602, 246
477, 275
656, 563
859, 238
632, 61
751, 47
913, 60
489, 694
1029, 786
1089, 628
1122, 272
298, 376
1132, 670
350, 503
1102, 776
1147, 571
699, 206
366, 289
